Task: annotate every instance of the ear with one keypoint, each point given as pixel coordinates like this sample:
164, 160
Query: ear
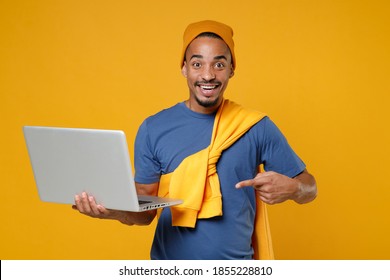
231, 71
184, 69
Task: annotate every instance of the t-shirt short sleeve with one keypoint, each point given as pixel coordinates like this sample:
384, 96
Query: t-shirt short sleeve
147, 166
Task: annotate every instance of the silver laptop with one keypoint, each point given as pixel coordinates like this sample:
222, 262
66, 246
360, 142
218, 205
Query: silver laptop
69, 161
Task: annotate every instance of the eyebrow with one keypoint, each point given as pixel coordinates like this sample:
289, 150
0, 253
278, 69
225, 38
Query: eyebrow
218, 57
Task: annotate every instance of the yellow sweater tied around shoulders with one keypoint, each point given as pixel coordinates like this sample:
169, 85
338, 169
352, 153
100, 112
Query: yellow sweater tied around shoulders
196, 181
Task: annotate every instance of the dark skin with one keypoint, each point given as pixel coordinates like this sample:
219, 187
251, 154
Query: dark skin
87, 205
208, 68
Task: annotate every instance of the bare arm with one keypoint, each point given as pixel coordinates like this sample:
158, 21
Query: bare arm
87, 205
275, 188
307, 188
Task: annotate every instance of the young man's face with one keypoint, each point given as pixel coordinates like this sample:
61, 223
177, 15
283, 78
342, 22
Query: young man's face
208, 68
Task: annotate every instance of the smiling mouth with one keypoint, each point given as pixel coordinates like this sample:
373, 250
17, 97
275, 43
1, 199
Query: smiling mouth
208, 88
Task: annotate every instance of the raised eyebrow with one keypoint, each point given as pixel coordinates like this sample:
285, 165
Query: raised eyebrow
219, 57
196, 56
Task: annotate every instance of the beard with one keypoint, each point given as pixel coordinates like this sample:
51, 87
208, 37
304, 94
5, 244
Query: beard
208, 102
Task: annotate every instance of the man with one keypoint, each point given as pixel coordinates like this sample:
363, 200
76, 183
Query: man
207, 150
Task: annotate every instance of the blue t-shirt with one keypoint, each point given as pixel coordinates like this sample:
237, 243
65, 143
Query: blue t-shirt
165, 139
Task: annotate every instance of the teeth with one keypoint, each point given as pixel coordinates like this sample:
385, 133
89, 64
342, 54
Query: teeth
208, 87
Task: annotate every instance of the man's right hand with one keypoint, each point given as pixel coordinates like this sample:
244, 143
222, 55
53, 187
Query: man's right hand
87, 205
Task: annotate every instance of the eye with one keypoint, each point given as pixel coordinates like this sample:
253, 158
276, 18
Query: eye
196, 64
219, 65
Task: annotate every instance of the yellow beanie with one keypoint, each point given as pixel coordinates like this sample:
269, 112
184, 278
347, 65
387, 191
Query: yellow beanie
222, 30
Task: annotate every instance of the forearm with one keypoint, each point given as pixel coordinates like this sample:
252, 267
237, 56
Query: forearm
136, 218
306, 188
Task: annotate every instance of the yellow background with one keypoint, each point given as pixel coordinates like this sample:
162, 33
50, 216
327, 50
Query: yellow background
320, 69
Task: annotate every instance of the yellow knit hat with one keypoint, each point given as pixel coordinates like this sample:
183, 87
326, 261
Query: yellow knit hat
222, 30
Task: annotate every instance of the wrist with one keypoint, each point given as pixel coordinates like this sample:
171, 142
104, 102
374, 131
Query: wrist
305, 192
123, 217
299, 191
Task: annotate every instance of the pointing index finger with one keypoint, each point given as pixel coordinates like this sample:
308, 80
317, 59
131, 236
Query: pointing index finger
245, 183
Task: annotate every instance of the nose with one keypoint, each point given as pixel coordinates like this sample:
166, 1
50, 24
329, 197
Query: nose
208, 73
